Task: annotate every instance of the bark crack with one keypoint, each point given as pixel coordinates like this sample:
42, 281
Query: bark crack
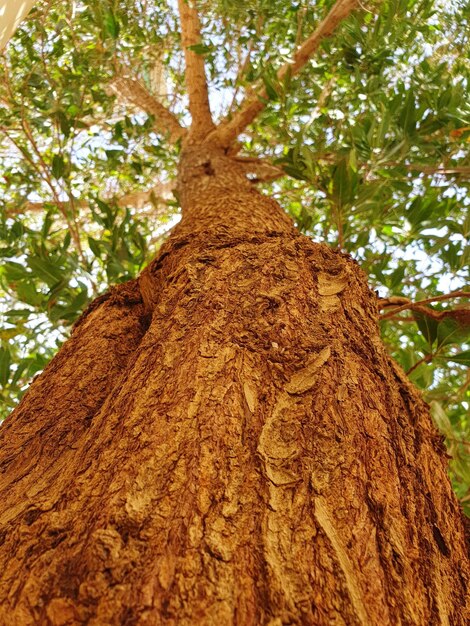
324, 520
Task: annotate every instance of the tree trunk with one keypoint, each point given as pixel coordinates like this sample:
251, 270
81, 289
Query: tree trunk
226, 441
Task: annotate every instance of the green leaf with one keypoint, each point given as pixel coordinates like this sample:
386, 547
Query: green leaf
396, 279
18, 313
27, 293
46, 227
344, 183
64, 123
428, 327
450, 331
295, 172
462, 358
5, 361
441, 418
79, 301
14, 271
407, 118
200, 48
107, 215
94, 246
58, 166
270, 87
22, 366
111, 25
45, 270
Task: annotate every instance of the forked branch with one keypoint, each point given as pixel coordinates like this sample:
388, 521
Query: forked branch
195, 76
165, 123
230, 129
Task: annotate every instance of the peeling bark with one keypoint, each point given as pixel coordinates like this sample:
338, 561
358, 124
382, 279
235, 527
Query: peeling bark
229, 443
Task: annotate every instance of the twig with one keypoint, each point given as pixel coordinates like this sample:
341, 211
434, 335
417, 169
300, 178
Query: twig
74, 231
429, 169
386, 302
425, 359
228, 130
42, 168
261, 170
241, 70
463, 442
195, 76
136, 199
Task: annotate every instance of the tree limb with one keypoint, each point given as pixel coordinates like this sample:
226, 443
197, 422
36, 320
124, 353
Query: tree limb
426, 359
195, 75
165, 122
230, 129
405, 304
433, 169
159, 193
259, 170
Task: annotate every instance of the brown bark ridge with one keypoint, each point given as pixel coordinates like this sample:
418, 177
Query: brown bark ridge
230, 444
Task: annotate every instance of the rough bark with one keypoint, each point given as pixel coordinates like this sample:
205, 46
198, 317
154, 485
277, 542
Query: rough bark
229, 443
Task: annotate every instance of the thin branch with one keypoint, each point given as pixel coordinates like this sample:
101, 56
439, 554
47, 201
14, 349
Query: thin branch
462, 442
42, 168
429, 170
418, 306
462, 170
165, 122
440, 170
407, 318
338, 217
159, 193
195, 76
230, 129
300, 20
394, 301
243, 66
259, 170
72, 224
425, 359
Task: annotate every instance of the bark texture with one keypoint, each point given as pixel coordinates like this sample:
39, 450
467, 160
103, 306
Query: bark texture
227, 442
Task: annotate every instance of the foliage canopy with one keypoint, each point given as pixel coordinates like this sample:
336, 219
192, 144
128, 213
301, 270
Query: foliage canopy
366, 148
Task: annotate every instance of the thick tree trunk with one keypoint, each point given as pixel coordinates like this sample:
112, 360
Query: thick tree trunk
225, 442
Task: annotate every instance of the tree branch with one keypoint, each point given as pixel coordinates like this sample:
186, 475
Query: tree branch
165, 122
259, 170
159, 193
230, 129
195, 75
417, 306
462, 170
425, 359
